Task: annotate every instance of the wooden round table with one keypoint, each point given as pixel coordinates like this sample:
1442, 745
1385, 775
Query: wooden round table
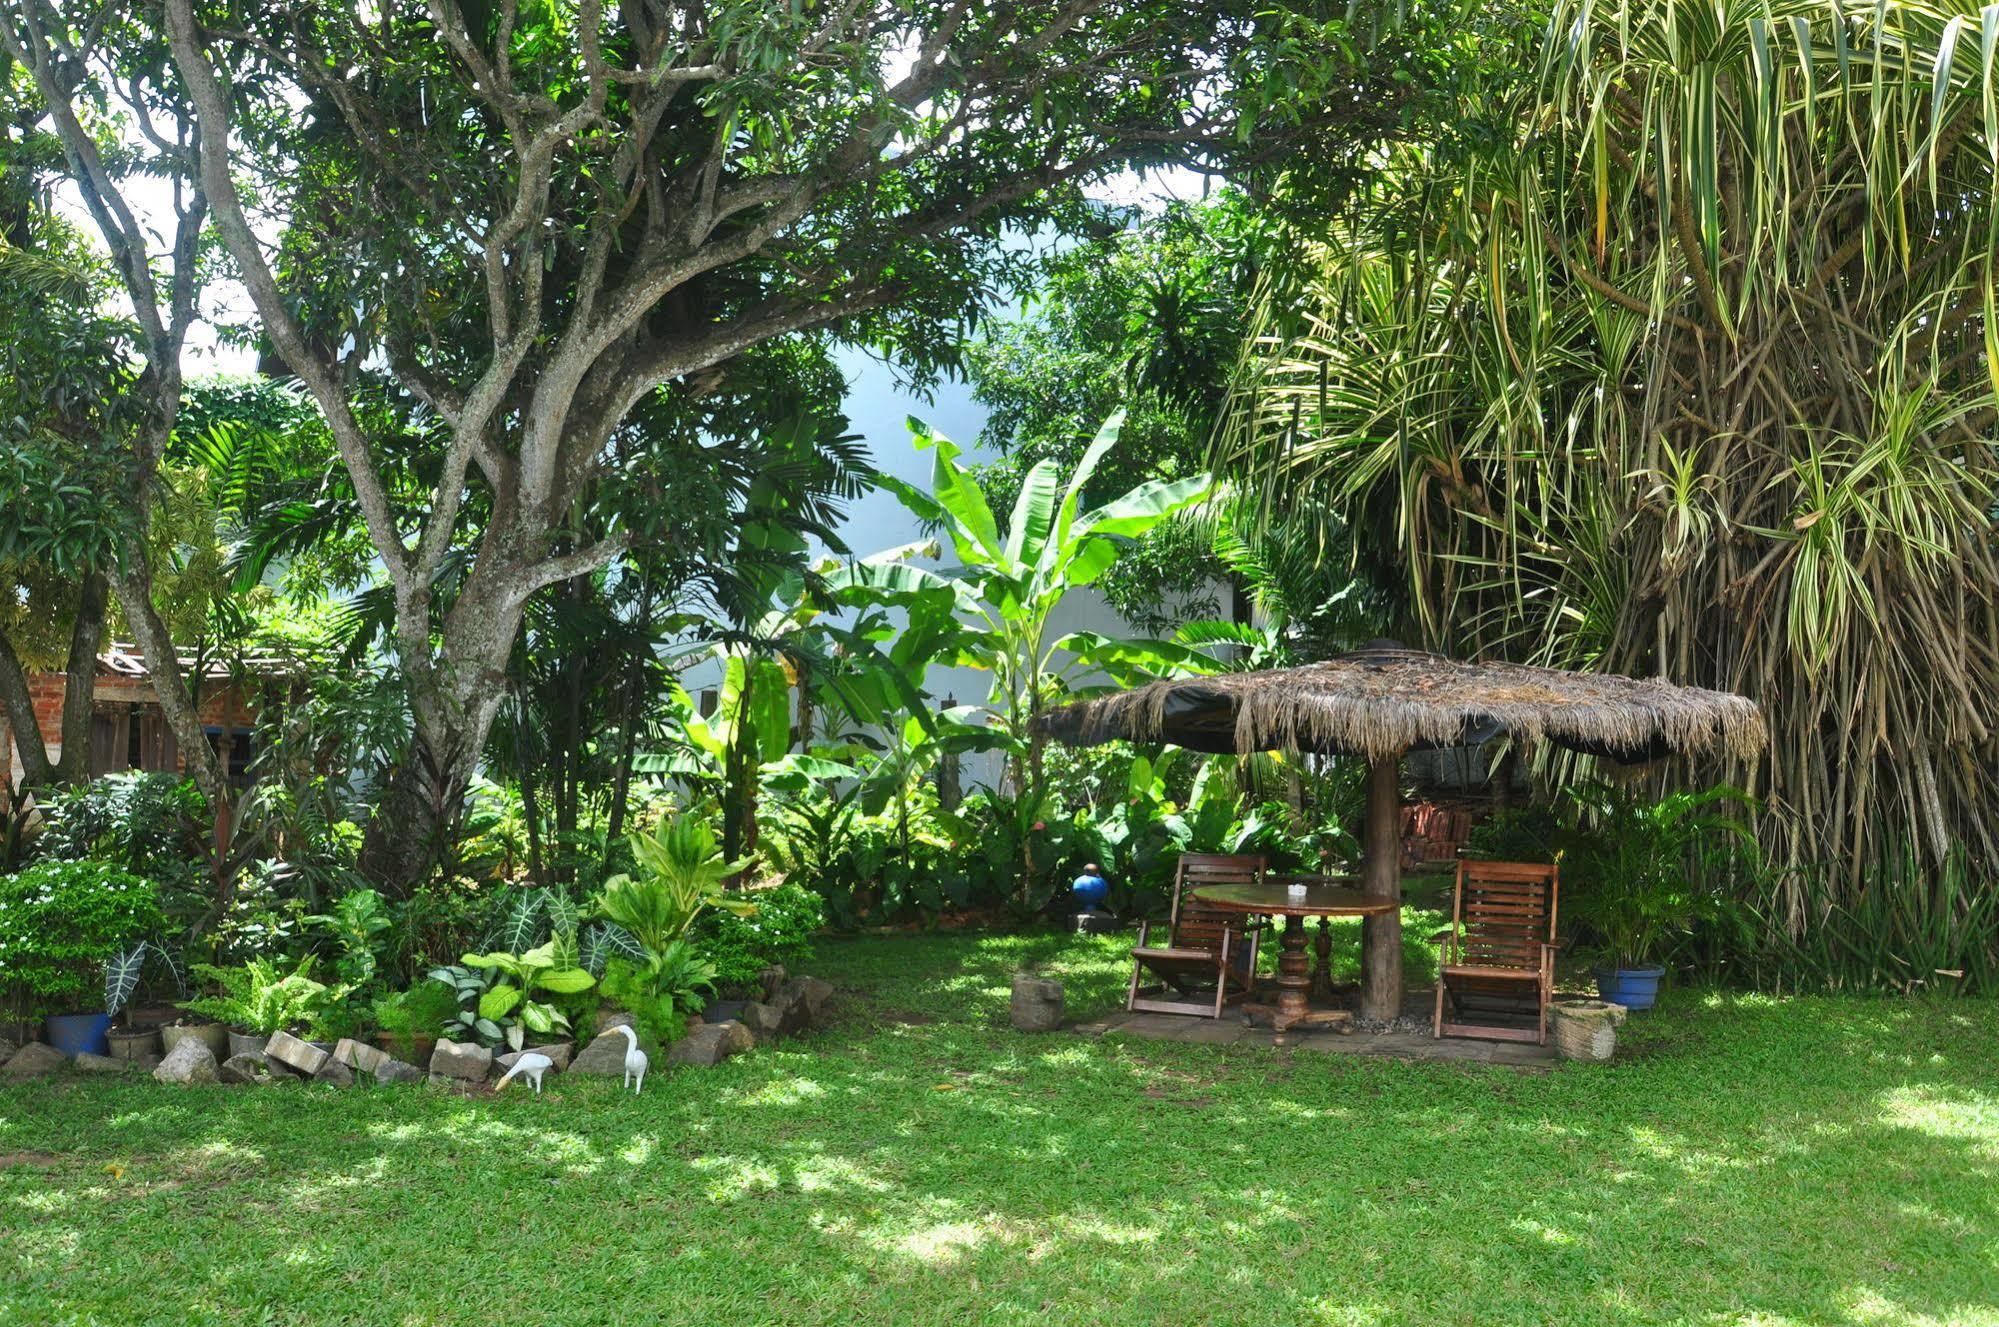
1323, 896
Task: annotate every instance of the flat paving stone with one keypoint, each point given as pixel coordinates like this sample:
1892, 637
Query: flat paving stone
1229, 1031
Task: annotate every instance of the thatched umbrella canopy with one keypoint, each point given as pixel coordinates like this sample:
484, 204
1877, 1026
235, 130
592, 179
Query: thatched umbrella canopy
1383, 700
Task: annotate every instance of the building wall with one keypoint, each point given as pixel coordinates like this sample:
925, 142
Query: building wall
120, 702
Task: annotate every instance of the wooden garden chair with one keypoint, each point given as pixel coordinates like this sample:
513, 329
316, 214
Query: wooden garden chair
1499, 955
1209, 958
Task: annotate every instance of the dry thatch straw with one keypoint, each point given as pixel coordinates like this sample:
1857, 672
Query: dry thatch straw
1381, 701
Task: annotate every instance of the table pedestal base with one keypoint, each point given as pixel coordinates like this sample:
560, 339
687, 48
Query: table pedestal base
1295, 983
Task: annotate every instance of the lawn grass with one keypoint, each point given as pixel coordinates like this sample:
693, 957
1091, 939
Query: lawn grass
1753, 1161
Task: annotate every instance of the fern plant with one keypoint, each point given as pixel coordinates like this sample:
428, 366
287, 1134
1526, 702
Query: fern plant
258, 997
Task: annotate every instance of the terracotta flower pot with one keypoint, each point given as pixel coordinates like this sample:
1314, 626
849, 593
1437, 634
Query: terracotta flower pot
213, 1035
130, 1045
247, 1043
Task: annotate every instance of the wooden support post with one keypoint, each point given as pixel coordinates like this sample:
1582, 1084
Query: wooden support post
1381, 876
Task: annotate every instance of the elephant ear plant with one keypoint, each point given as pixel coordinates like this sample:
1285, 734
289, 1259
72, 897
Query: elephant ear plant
123, 970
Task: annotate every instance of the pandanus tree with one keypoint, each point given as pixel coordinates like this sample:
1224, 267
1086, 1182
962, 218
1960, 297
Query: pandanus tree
1676, 355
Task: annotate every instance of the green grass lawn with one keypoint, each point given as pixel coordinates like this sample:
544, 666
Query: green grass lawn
1752, 1161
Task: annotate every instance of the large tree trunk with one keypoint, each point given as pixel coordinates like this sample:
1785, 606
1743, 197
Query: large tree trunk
416, 815
80, 681
133, 585
455, 693
73, 765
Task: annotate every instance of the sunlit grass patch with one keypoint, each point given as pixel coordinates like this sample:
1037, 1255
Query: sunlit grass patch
1753, 1160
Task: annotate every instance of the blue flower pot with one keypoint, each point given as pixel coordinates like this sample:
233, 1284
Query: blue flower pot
77, 1034
1634, 988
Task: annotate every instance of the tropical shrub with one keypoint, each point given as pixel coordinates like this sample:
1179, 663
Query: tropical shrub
422, 1010
358, 928
151, 824
1631, 877
521, 998
780, 931
681, 873
659, 1010
61, 922
260, 997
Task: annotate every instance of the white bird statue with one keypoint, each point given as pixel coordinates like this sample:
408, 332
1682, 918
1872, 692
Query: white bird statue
531, 1065
635, 1060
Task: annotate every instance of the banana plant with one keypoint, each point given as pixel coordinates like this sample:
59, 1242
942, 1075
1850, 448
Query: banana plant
1014, 579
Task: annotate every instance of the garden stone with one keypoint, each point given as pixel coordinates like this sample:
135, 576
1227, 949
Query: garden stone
764, 1021
608, 1019
461, 1060
813, 991
7, 1049
398, 1071
558, 1057
710, 1043
799, 1001
33, 1060
303, 1056
244, 1069
101, 1064
771, 980
190, 1061
605, 1055
1585, 1029
1037, 1003
334, 1072
359, 1055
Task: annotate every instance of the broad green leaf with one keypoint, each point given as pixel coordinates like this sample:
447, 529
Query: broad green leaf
1072, 497
497, 1003
565, 981
1033, 515
1145, 506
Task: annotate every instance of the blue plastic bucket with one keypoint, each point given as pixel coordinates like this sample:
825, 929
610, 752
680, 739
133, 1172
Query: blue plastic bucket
1634, 988
78, 1034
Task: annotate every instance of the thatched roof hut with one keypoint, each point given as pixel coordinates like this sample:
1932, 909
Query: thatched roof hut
1383, 700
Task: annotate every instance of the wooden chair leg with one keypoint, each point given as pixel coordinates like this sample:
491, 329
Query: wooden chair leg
1222, 976
1437, 1028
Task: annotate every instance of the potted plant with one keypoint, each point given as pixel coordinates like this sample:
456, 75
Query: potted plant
258, 1000
1632, 879
60, 923
408, 1023
121, 981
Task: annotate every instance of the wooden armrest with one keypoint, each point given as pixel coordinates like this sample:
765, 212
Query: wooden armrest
1444, 934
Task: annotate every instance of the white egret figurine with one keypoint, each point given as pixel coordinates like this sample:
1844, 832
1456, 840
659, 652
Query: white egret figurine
531, 1065
635, 1060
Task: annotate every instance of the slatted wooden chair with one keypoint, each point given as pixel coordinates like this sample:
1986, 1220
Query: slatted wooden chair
1209, 959
1498, 961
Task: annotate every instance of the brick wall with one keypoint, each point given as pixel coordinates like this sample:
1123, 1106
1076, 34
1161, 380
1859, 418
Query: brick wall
231, 706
